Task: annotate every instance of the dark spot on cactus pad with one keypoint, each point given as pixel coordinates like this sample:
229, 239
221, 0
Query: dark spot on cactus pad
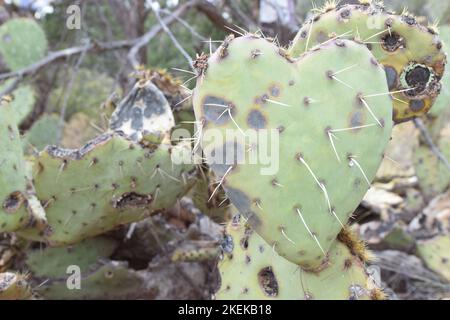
229, 154
137, 122
275, 91
13, 202
416, 105
256, 120
356, 119
7, 38
215, 110
244, 240
347, 264
247, 259
392, 41
345, 13
133, 200
268, 282
239, 199
392, 77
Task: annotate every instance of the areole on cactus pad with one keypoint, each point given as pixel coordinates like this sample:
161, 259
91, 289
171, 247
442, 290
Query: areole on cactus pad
329, 120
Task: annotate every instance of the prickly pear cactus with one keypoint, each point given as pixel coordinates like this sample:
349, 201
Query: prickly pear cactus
100, 278
109, 182
436, 255
22, 43
144, 111
252, 270
18, 205
412, 54
323, 151
23, 100
433, 174
42, 133
14, 286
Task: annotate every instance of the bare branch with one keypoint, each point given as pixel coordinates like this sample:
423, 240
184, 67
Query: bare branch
142, 41
172, 37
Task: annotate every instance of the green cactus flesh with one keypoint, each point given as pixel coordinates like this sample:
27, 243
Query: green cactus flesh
436, 255
14, 286
411, 54
22, 43
434, 176
100, 278
252, 270
23, 100
109, 182
42, 133
18, 206
332, 134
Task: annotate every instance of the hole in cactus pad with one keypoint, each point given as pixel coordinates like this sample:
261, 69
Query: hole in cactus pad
133, 200
268, 282
392, 41
417, 77
13, 202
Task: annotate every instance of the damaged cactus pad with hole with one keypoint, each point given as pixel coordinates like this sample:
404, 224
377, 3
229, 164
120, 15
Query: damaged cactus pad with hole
327, 134
18, 204
109, 182
252, 270
412, 54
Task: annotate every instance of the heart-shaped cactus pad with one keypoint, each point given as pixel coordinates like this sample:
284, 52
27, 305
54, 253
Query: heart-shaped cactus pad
294, 142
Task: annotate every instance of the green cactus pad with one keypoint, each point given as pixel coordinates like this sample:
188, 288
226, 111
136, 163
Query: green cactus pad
434, 176
411, 53
14, 286
252, 270
18, 206
109, 182
22, 43
23, 100
100, 278
436, 255
332, 134
42, 133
